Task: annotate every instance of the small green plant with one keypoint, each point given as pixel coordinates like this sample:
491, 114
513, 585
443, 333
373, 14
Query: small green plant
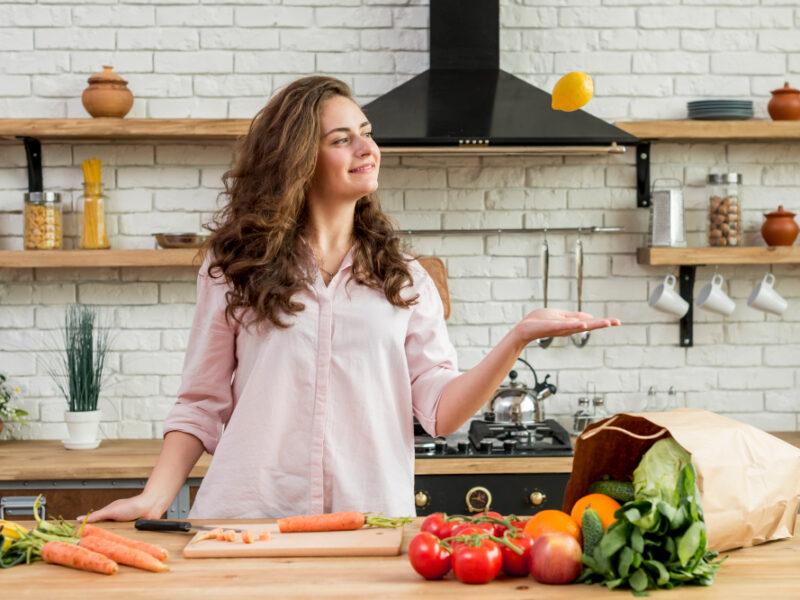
79, 372
8, 397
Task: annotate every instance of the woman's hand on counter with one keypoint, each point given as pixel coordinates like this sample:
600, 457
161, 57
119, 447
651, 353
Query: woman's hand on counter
127, 509
554, 322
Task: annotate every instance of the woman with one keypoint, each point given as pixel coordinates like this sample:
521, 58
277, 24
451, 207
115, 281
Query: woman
316, 337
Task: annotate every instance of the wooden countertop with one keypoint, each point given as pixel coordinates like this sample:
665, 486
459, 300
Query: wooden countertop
134, 459
768, 571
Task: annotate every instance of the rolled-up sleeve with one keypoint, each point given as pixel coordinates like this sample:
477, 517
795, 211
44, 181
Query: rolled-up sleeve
431, 358
205, 396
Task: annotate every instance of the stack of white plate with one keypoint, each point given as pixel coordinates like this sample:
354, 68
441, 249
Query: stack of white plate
720, 110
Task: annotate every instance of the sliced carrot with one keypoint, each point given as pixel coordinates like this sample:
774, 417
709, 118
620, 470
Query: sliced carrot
326, 522
247, 536
229, 535
263, 535
124, 555
70, 555
156, 551
211, 534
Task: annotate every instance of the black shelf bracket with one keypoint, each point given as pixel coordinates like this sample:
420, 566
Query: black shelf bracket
686, 278
643, 174
33, 155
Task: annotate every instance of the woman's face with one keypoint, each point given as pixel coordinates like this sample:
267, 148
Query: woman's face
348, 159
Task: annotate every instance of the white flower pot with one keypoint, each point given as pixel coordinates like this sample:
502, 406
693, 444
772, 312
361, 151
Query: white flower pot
84, 430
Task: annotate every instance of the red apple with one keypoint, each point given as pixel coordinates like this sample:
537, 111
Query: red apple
555, 558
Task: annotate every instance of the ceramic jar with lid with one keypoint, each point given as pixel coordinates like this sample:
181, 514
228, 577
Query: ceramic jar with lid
107, 95
785, 104
780, 228
724, 209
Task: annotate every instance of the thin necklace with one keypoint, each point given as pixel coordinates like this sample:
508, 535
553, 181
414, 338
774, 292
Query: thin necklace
316, 258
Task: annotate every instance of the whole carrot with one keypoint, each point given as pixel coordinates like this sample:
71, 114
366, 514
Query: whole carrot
122, 554
341, 521
155, 551
70, 555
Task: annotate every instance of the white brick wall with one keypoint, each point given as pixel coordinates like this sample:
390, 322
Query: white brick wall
219, 59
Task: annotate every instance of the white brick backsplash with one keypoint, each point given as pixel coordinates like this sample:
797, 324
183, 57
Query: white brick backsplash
239, 38
115, 16
116, 294
204, 61
224, 58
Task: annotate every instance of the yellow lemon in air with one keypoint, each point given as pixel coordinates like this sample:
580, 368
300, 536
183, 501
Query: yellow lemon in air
572, 91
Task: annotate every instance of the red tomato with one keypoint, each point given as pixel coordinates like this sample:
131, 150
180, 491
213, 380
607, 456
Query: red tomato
427, 557
517, 565
477, 564
495, 526
446, 528
501, 529
433, 523
477, 527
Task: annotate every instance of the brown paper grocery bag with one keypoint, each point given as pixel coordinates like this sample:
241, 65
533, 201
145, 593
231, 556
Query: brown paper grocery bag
749, 480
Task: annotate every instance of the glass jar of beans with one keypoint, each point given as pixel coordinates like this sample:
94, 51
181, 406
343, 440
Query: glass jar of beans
43, 221
724, 209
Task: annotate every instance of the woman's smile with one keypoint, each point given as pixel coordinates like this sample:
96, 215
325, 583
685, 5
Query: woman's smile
368, 168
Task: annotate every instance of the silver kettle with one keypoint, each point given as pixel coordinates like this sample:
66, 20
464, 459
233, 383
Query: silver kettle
517, 403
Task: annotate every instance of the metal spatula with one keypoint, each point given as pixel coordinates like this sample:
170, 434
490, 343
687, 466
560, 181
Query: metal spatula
545, 342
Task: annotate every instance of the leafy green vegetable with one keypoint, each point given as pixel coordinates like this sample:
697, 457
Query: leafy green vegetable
659, 539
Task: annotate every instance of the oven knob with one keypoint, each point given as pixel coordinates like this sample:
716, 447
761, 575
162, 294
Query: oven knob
422, 499
486, 446
537, 498
509, 446
440, 446
478, 499
463, 446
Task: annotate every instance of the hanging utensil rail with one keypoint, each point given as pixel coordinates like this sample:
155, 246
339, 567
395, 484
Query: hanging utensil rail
580, 230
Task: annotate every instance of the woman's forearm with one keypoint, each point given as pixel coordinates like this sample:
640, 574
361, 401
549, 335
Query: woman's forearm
465, 395
179, 453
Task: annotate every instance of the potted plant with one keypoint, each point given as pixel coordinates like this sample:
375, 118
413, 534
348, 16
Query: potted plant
8, 397
79, 375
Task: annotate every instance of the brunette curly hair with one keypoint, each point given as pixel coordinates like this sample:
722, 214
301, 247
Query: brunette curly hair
256, 237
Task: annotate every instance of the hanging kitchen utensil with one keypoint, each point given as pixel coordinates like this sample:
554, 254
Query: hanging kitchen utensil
579, 339
545, 342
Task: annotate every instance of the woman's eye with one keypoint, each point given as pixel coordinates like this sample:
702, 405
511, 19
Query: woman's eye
340, 140
368, 134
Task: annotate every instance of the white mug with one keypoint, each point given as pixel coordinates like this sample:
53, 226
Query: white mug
764, 297
712, 297
666, 299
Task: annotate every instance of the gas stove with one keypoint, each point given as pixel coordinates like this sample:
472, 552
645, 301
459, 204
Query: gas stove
495, 440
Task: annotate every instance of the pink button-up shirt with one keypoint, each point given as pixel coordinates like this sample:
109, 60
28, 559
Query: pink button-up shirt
316, 417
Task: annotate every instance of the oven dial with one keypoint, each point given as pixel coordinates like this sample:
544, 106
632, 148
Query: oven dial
463, 447
422, 499
537, 498
478, 499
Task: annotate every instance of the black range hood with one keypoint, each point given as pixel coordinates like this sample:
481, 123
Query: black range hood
464, 99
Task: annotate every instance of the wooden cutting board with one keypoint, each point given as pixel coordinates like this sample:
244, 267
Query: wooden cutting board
368, 541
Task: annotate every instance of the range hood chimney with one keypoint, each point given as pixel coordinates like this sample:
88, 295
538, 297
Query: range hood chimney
464, 99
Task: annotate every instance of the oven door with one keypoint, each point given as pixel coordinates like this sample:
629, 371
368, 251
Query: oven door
506, 493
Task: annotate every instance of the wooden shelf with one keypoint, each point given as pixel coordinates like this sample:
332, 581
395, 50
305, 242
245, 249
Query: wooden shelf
26, 259
751, 131
747, 255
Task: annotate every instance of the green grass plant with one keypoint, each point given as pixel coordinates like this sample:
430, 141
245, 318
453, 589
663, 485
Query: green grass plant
79, 370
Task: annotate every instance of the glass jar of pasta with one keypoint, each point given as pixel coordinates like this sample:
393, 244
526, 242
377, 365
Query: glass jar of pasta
724, 210
43, 219
93, 221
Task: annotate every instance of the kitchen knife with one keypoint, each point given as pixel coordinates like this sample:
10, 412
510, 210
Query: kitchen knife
166, 525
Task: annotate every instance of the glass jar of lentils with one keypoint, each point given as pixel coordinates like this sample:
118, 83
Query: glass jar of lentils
724, 209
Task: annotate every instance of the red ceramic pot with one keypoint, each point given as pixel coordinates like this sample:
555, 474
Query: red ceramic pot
785, 104
780, 228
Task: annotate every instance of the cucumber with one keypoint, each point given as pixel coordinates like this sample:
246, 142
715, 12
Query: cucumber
621, 491
591, 530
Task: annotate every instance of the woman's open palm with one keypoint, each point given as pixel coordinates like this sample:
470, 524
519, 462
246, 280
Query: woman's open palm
554, 322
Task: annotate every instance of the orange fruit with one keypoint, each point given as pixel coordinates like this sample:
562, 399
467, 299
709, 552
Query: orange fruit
550, 521
603, 505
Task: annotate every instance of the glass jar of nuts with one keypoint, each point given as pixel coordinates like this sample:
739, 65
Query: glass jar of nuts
724, 209
43, 220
